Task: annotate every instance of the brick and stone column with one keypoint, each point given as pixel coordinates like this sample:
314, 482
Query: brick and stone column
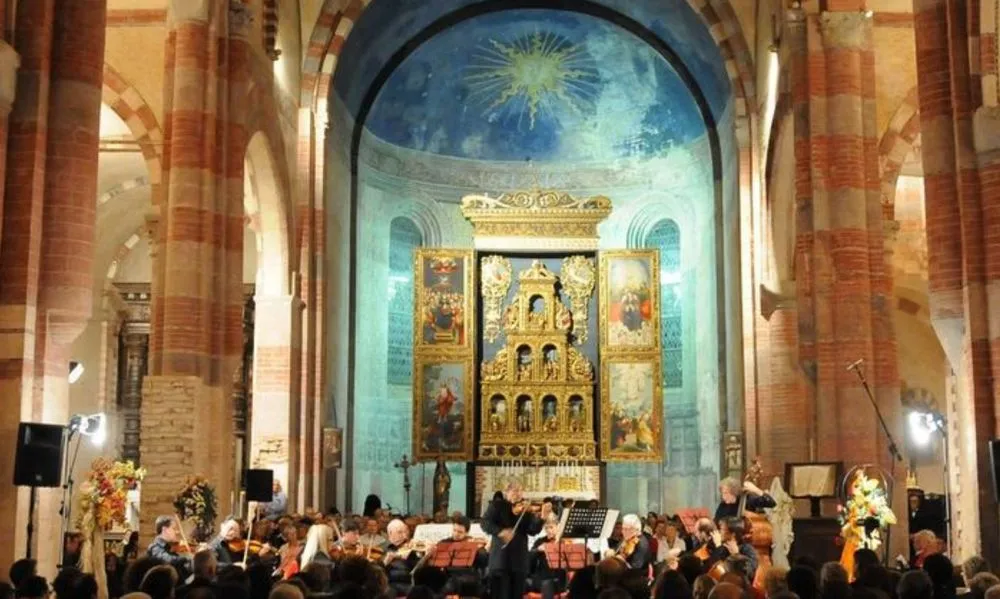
843, 283
135, 347
277, 425
46, 263
198, 339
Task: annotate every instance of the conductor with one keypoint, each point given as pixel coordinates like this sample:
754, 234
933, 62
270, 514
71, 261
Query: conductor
511, 521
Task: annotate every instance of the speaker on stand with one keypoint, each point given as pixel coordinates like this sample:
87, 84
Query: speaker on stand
38, 462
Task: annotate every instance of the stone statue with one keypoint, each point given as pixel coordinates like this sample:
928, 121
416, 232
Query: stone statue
442, 486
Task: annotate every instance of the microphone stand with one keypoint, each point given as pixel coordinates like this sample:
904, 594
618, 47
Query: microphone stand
893, 448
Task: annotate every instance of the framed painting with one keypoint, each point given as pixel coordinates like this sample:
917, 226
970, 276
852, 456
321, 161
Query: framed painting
333, 445
630, 301
442, 408
631, 409
443, 299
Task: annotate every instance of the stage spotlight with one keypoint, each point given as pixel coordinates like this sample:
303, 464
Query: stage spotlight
75, 371
95, 427
923, 425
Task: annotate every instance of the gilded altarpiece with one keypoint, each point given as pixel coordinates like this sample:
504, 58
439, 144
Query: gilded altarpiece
564, 371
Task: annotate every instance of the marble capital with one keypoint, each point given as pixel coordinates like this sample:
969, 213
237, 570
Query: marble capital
10, 60
845, 29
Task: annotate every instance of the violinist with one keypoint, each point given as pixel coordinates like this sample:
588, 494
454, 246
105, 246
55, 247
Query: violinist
460, 526
400, 558
510, 520
732, 491
634, 549
542, 575
350, 536
230, 547
167, 546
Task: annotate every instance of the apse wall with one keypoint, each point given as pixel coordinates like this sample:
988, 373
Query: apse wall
513, 100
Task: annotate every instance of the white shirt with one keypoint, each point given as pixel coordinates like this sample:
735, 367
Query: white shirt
663, 548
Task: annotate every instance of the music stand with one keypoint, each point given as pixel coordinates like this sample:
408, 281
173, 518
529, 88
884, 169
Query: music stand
586, 524
454, 555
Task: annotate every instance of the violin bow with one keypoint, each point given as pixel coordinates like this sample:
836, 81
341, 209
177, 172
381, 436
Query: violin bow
246, 549
180, 527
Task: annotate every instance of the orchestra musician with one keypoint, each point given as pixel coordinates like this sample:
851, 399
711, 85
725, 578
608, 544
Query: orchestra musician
168, 548
732, 491
735, 542
460, 526
288, 554
510, 520
542, 575
634, 548
319, 540
350, 539
230, 548
400, 557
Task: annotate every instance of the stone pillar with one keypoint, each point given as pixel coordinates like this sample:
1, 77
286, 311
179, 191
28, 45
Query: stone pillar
186, 411
311, 239
9, 62
843, 296
960, 194
277, 425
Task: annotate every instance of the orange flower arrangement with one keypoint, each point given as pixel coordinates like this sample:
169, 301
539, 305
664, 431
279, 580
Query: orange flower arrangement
104, 495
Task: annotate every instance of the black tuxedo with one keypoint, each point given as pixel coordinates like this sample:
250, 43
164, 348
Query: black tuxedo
508, 565
160, 549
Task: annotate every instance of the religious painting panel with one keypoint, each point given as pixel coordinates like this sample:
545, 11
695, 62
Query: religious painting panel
442, 408
631, 409
444, 294
629, 296
333, 445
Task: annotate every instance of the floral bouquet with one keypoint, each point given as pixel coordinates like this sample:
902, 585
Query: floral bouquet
103, 500
865, 513
196, 502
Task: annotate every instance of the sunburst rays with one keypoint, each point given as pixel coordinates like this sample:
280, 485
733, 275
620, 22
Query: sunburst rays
532, 74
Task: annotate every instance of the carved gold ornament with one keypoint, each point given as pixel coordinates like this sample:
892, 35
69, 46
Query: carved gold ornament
496, 272
578, 278
536, 213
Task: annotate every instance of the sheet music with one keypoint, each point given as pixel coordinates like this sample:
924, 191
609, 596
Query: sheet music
814, 481
435, 533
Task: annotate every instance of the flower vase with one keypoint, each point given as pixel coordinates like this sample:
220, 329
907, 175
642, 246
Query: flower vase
847, 557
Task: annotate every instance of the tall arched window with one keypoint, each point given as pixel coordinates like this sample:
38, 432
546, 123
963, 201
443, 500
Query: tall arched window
666, 237
404, 237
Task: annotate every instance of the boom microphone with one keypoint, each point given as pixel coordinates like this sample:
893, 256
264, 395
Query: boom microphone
855, 364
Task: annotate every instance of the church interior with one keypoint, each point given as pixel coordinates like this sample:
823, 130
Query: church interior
604, 252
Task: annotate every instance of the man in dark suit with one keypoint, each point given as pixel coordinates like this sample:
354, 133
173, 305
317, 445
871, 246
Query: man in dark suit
634, 549
510, 521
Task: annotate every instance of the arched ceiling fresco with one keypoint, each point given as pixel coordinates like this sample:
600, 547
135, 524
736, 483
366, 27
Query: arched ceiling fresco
531, 82
535, 84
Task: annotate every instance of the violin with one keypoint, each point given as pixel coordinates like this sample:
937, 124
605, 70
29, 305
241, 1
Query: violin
520, 507
181, 548
627, 548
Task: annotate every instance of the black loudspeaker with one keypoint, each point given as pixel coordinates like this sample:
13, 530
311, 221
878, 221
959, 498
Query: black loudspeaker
38, 462
994, 447
259, 485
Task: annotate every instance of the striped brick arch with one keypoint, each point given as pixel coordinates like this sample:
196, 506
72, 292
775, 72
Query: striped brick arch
129, 104
333, 26
897, 142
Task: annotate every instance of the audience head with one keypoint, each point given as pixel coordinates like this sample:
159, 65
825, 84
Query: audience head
993, 592
832, 575
420, 592
974, 565
83, 586
65, 581
775, 581
584, 585
21, 570
136, 571
981, 583
319, 575
32, 587
739, 564
6, 591
864, 559
941, 570
672, 585
285, 590
609, 573
159, 582
915, 584
802, 581
205, 564
166, 528
702, 587
691, 567
785, 594
735, 578
726, 590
